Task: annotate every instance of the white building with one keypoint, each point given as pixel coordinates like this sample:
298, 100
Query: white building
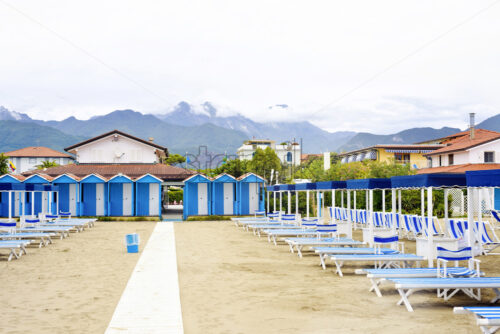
288, 153
29, 158
474, 149
116, 147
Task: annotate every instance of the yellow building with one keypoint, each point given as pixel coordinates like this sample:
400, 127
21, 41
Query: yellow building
404, 154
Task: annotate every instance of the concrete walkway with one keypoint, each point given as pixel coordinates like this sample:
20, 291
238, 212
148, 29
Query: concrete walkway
151, 301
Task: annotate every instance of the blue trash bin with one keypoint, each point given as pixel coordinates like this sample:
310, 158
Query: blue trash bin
132, 242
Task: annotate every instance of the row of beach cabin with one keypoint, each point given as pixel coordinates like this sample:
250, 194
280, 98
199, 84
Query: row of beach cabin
223, 195
120, 195
92, 195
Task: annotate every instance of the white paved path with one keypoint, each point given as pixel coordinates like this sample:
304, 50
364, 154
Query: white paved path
151, 301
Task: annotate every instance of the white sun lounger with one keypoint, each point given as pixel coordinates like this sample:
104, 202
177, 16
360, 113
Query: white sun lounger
377, 276
258, 228
12, 246
407, 286
487, 317
45, 238
281, 233
300, 243
379, 260
325, 252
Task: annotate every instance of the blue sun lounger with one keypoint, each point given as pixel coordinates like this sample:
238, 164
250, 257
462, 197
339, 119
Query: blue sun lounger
407, 286
487, 317
300, 243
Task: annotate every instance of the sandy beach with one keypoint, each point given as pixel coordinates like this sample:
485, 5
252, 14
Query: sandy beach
233, 282
230, 282
71, 286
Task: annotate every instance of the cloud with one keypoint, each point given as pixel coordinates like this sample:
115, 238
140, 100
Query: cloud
316, 57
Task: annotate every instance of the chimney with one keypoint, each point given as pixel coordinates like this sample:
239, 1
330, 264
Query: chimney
471, 127
151, 139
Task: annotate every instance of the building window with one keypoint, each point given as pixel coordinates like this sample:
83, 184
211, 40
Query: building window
489, 157
402, 158
289, 157
32, 160
440, 161
450, 159
429, 162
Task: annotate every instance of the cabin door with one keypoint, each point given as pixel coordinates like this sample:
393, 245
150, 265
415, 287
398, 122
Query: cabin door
253, 197
228, 198
99, 199
202, 199
72, 199
127, 199
154, 200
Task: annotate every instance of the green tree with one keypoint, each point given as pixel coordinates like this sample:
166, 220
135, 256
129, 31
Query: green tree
47, 164
4, 164
234, 167
264, 161
175, 159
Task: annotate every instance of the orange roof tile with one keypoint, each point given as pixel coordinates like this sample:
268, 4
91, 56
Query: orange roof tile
37, 151
458, 168
161, 171
461, 141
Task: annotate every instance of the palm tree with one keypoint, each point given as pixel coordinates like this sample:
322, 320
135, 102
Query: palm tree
4, 164
47, 164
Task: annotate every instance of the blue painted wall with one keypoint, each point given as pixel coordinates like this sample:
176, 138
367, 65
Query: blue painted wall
244, 199
497, 199
142, 198
116, 199
88, 199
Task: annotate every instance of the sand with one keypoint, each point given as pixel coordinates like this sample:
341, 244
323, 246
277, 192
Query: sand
230, 282
233, 282
71, 286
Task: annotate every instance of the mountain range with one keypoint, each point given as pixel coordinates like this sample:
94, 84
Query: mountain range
186, 127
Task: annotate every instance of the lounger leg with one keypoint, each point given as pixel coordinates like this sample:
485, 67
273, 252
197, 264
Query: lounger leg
488, 329
404, 298
497, 297
339, 270
322, 260
299, 250
13, 254
291, 247
22, 251
375, 285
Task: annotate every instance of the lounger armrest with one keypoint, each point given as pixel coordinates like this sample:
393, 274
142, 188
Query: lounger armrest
402, 249
475, 264
444, 264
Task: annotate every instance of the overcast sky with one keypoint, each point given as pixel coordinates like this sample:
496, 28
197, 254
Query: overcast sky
377, 66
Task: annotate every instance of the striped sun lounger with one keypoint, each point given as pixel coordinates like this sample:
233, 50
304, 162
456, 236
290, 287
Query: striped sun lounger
446, 287
487, 317
379, 260
300, 243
